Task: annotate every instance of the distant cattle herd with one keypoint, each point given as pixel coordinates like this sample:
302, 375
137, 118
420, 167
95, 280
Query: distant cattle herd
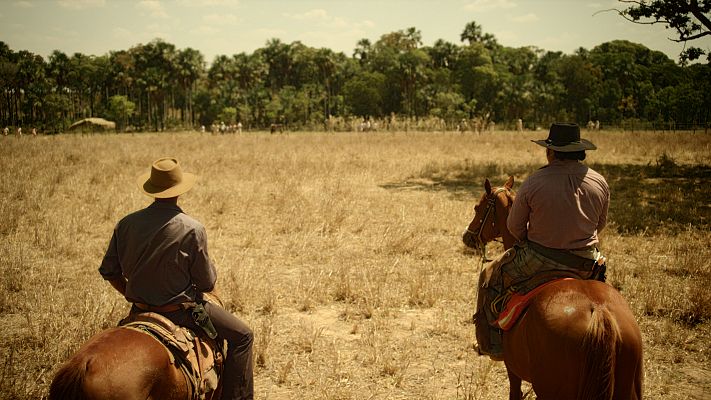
474, 125
18, 131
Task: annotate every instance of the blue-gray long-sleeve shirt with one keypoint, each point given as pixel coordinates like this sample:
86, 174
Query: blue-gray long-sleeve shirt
162, 253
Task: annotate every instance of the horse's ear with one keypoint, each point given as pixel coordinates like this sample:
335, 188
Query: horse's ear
487, 186
509, 182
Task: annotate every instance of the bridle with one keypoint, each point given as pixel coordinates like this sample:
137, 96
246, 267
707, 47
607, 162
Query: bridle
490, 210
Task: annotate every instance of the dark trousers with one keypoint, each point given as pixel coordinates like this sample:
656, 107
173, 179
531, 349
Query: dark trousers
237, 377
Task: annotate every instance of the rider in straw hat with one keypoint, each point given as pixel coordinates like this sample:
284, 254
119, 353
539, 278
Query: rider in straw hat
157, 258
556, 217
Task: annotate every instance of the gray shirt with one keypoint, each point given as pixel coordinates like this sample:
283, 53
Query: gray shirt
562, 206
162, 252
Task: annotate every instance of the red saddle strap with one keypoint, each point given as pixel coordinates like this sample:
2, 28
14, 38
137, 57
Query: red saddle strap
517, 304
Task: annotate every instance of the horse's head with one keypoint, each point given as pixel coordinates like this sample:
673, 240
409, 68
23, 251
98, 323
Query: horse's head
490, 216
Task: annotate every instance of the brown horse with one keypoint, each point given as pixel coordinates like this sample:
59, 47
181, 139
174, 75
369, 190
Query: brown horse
577, 339
123, 363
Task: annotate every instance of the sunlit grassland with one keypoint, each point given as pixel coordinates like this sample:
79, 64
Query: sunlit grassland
343, 252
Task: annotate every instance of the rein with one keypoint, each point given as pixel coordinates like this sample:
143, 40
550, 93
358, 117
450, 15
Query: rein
490, 210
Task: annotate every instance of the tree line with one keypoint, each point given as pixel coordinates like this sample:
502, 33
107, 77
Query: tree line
156, 86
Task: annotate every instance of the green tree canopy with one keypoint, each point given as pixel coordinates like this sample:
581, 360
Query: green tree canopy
691, 19
120, 110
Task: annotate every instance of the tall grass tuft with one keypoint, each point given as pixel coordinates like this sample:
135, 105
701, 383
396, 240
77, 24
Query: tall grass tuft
343, 252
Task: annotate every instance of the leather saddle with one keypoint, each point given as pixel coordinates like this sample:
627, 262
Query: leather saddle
199, 358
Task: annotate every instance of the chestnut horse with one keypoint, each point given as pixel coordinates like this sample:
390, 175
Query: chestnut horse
124, 363
120, 363
578, 339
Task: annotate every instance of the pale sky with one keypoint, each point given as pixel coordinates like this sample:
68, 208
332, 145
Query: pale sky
228, 27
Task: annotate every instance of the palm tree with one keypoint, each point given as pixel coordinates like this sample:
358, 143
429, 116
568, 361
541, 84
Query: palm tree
155, 68
8, 76
362, 51
473, 33
190, 66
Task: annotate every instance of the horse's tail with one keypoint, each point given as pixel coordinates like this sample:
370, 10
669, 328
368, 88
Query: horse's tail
599, 349
68, 382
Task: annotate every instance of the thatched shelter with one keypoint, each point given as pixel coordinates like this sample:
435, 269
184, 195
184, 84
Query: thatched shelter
92, 125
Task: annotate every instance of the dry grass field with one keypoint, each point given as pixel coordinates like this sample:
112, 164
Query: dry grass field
343, 252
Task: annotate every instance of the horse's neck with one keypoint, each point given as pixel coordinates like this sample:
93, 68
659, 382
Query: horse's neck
508, 239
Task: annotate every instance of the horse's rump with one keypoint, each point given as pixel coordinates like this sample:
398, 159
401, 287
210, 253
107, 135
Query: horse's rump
149, 357
117, 363
67, 383
578, 339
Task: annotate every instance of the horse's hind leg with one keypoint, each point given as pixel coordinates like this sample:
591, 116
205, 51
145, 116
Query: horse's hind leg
514, 386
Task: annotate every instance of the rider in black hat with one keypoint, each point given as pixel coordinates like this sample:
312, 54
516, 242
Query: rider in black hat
556, 218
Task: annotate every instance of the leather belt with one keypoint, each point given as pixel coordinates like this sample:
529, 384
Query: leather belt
165, 308
564, 257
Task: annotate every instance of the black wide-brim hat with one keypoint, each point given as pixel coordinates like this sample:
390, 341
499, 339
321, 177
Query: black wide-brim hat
565, 138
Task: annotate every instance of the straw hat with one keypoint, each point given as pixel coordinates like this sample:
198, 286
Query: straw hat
166, 179
565, 138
